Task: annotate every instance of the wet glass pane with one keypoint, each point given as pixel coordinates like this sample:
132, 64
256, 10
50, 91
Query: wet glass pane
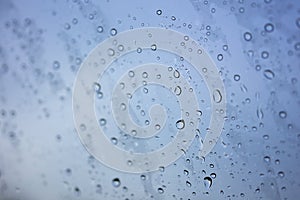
138, 100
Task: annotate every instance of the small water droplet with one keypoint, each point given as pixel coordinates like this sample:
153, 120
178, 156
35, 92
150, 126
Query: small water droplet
114, 140
56, 65
259, 113
220, 57
267, 159
247, 36
269, 74
110, 52
269, 27
188, 184
143, 177
116, 182
153, 47
102, 122
123, 106
213, 175
265, 54
139, 50
131, 74
186, 172
145, 75
281, 174
99, 29
77, 191
176, 74
236, 77
282, 114
180, 124
266, 137
158, 12
113, 32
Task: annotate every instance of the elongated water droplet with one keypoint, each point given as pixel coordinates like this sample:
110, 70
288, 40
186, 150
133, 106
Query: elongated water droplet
217, 97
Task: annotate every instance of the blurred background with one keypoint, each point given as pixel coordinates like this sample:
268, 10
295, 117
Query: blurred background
256, 47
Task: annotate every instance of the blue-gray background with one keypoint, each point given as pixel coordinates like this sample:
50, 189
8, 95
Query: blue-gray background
255, 45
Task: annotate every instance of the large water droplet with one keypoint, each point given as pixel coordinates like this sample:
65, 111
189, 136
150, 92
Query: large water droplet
207, 182
177, 90
217, 97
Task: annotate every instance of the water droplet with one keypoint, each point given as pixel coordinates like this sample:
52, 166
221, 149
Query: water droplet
143, 177
207, 182
297, 46
102, 122
68, 171
99, 189
145, 75
220, 57
236, 77
266, 137
67, 26
282, 114
153, 47
186, 38
145, 90
97, 87
259, 113
77, 191
180, 124
265, 54
99, 95
213, 175
113, 32
247, 36
139, 50
129, 162
100, 29
75, 21
298, 22
267, 159
56, 65
188, 184
158, 12
173, 18
123, 106
186, 172
110, 52
82, 127
176, 74
114, 140
160, 190
120, 47
116, 182
269, 27
269, 74
281, 174
131, 74
157, 126
177, 90
217, 97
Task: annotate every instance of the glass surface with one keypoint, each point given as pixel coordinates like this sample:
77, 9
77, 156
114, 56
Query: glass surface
251, 47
